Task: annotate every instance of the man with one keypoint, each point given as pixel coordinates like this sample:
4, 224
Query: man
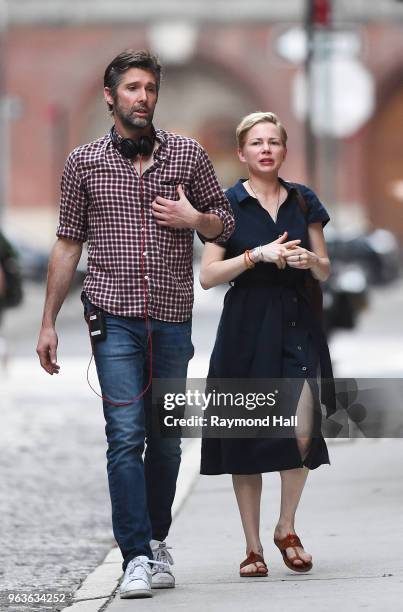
136, 195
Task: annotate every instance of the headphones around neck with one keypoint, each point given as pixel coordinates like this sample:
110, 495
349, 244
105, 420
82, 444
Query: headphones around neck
130, 148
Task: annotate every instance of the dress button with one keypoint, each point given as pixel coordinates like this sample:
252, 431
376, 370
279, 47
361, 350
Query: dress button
304, 368
299, 347
144, 253
293, 324
146, 277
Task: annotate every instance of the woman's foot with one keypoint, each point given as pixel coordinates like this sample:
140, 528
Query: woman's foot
253, 565
293, 552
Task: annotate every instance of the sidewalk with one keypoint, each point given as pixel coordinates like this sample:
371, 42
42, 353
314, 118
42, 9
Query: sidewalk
350, 520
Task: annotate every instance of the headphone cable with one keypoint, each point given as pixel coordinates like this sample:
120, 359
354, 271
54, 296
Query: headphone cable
146, 317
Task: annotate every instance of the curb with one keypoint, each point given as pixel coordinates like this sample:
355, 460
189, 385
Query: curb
99, 587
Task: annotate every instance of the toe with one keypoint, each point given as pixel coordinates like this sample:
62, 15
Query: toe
305, 556
292, 557
253, 567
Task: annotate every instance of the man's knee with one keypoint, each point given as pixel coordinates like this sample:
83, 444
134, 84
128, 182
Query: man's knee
125, 436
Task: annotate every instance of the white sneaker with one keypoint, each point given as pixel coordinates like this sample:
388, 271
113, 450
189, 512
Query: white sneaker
137, 579
162, 576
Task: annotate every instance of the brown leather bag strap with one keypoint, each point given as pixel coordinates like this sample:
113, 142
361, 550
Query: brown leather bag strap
301, 201
311, 283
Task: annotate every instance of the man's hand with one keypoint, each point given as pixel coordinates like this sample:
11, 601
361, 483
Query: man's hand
47, 350
179, 214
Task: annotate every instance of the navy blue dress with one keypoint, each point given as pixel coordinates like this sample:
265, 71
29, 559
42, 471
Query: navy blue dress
269, 329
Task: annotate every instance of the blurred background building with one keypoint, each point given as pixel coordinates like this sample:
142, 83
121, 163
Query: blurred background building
223, 59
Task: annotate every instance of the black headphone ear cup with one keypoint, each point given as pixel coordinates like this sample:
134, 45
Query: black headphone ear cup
128, 148
145, 146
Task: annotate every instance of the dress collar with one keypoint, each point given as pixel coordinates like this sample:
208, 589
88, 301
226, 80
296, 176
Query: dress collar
242, 195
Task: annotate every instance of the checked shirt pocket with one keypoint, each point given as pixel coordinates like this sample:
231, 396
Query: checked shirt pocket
175, 244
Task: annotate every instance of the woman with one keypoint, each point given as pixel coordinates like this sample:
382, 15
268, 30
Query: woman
270, 329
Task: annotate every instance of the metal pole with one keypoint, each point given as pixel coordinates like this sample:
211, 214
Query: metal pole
310, 142
320, 85
3, 111
327, 152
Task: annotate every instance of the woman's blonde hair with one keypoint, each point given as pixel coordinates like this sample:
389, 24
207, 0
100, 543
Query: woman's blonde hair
258, 117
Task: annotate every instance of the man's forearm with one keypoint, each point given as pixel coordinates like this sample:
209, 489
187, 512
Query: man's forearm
62, 266
209, 225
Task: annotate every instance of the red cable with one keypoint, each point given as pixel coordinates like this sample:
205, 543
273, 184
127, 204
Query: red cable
146, 319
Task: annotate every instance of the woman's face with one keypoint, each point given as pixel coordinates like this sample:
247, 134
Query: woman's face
263, 151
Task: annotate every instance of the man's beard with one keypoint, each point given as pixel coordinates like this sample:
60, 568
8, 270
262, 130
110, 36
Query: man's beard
130, 120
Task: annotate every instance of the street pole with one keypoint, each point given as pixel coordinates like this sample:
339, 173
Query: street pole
3, 112
319, 149
310, 142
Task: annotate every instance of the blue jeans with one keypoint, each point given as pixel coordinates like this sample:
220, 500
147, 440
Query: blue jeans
142, 491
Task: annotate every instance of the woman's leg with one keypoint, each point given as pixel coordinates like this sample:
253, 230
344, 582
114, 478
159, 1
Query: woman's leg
292, 484
293, 481
305, 420
248, 491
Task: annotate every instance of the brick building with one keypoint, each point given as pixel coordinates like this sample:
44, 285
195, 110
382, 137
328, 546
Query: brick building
220, 64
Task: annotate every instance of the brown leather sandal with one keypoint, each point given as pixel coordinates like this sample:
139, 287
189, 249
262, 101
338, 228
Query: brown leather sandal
292, 541
252, 559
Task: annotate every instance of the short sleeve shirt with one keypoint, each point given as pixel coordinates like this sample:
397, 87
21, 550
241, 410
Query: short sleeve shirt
254, 226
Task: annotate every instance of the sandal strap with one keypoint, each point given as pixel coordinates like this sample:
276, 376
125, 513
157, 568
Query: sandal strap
297, 556
253, 558
290, 541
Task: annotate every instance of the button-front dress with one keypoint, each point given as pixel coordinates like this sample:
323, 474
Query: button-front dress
269, 329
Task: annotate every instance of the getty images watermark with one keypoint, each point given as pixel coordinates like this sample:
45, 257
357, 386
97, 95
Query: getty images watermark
267, 407
207, 401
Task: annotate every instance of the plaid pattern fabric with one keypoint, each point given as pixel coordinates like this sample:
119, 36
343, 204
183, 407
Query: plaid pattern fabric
100, 203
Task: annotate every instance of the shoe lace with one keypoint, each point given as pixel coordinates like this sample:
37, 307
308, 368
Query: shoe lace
162, 556
135, 563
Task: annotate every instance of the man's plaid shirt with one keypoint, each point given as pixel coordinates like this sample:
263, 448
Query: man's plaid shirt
100, 202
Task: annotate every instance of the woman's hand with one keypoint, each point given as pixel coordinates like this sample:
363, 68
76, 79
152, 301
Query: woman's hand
275, 252
301, 258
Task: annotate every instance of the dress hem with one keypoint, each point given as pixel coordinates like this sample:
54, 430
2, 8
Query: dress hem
265, 471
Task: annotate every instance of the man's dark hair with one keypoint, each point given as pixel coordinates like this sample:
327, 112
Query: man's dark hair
126, 60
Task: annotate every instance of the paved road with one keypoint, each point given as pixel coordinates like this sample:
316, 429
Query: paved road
53, 492
350, 514
54, 500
